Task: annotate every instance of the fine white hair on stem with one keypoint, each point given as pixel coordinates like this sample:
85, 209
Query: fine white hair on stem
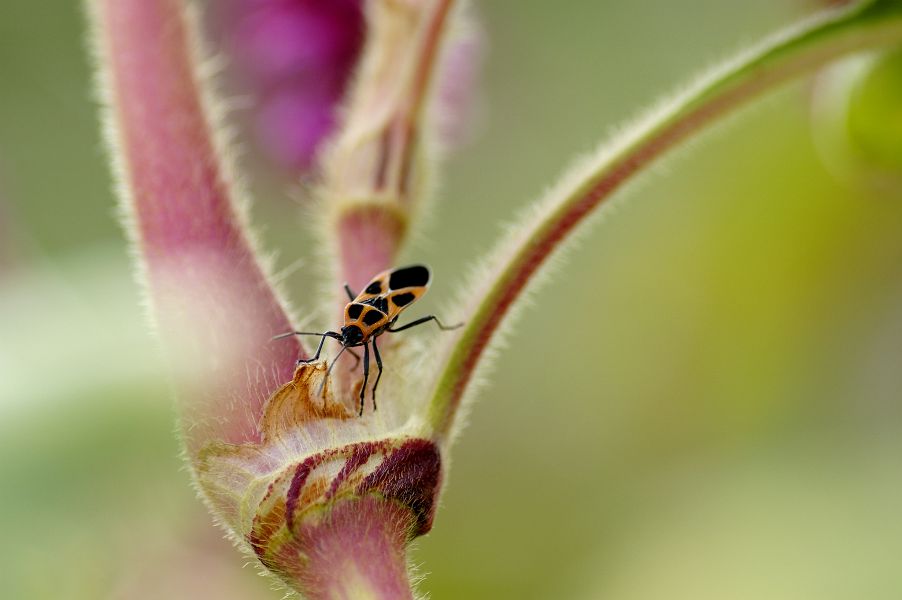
216, 108
585, 190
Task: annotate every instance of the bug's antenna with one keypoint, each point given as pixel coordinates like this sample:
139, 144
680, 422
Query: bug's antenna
322, 384
291, 333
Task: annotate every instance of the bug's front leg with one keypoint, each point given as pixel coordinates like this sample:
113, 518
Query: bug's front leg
379, 374
319, 349
441, 325
356, 359
366, 375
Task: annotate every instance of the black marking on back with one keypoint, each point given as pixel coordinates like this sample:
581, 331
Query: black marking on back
404, 299
354, 310
378, 302
373, 288
373, 316
415, 276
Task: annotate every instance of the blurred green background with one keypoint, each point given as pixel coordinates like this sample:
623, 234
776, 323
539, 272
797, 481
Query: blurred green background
703, 403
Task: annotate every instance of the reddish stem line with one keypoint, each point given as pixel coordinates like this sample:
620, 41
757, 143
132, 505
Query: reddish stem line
411, 114
551, 230
552, 238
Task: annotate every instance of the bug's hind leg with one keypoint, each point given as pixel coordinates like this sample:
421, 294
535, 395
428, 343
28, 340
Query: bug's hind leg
379, 374
350, 294
441, 325
356, 359
366, 375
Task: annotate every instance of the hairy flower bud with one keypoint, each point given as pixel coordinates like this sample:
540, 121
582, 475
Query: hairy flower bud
857, 112
302, 506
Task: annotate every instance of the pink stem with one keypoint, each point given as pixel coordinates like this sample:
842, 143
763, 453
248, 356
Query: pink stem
371, 238
208, 292
358, 551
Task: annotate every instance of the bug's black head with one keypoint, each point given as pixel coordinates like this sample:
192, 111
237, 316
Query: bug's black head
351, 335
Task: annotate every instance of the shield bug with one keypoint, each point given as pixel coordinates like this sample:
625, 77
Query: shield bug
373, 312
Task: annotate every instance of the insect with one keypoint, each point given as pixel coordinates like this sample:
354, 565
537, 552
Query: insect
371, 313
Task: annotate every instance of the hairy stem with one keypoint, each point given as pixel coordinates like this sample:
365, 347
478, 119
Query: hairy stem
372, 175
209, 295
358, 553
512, 266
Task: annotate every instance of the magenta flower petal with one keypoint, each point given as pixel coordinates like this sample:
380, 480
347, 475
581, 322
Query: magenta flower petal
295, 51
309, 49
281, 38
293, 121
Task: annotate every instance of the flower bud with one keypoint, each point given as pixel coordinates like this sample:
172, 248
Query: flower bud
321, 495
857, 116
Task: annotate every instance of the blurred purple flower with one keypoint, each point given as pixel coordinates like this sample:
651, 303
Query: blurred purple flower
297, 56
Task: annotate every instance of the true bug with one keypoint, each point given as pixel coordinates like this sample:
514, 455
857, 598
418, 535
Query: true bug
374, 311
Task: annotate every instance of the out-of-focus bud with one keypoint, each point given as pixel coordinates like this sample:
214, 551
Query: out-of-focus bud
297, 58
857, 120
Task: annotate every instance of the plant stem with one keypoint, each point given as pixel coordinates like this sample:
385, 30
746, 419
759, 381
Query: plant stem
209, 295
358, 552
790, 53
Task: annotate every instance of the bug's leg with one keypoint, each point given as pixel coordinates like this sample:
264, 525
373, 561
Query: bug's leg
322, 385
366, 375
441, 326
379, 374
291, 333
307, 361
319, 349
357, 357
350, 294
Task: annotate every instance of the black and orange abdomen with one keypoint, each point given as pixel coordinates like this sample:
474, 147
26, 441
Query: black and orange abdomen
385, 296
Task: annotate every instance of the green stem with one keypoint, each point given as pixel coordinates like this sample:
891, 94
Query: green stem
512, 266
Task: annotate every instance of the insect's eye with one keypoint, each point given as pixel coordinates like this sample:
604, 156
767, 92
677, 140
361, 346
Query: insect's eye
402, 299
354, 311
373, 288
373, 317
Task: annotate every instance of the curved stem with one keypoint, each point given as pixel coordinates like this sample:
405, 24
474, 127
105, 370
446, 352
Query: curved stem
210, 297
512, 266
